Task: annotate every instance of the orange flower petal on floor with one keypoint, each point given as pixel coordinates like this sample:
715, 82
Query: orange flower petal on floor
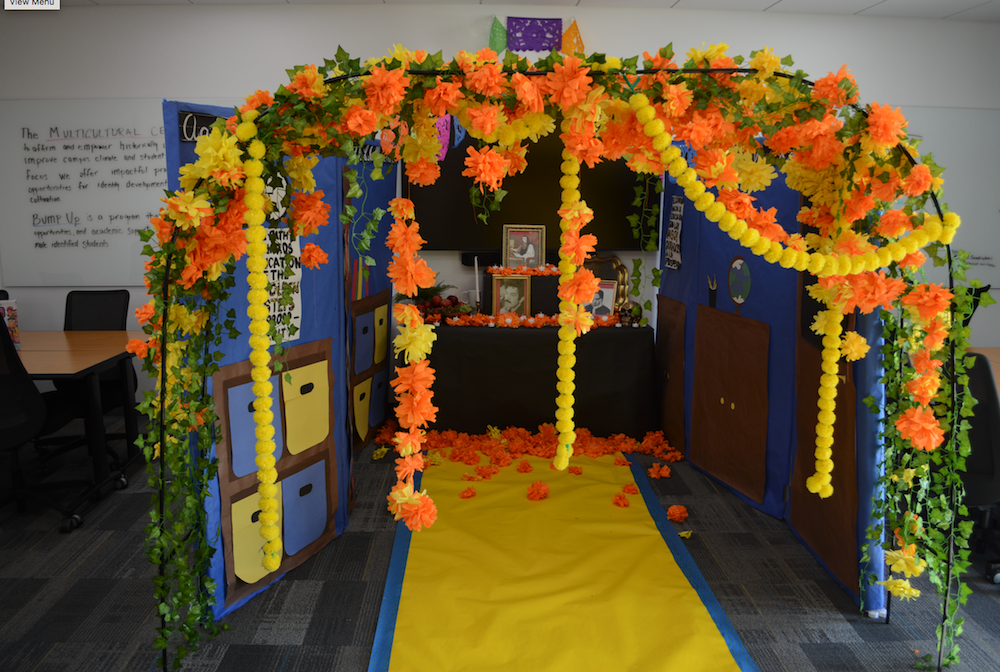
538, 490
525, 467
576, 471
467, 493
630, 489
619, 460
677, 513
620, 500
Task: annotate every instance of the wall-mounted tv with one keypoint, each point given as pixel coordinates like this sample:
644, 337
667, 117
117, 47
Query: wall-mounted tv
448, 220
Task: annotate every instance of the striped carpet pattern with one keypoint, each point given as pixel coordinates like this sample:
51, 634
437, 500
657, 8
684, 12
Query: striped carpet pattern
82, 602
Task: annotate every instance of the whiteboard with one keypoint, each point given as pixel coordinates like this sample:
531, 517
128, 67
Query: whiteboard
79, 179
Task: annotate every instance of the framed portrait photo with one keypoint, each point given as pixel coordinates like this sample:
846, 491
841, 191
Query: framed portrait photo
603, 302
512, 294
523, 245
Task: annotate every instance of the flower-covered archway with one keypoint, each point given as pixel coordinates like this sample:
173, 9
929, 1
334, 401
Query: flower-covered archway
869, 228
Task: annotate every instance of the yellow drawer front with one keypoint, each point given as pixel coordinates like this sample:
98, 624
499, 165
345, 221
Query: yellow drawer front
307, 406
248, 553
381, 333
362, 400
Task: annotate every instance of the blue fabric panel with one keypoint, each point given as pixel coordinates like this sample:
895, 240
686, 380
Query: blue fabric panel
707, 252
868, 374
364, 342
303, 502
379, 399
323, 316
242, 430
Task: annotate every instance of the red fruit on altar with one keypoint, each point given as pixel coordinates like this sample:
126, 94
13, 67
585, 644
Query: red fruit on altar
436, 300
447, 303
455, 301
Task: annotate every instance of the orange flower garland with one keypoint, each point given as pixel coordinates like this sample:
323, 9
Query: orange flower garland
413, 381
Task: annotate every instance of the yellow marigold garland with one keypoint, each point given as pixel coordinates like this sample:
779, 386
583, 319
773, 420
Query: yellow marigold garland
260, 343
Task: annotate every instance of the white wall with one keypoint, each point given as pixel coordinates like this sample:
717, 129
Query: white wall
944, 71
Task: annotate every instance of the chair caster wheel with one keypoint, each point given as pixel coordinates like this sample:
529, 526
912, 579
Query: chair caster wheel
71, 523
121, 482
993, 572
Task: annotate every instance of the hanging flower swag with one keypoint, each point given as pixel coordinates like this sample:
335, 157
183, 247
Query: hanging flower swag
867, 234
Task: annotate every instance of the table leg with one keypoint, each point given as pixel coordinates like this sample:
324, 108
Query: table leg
125, 370
94, 427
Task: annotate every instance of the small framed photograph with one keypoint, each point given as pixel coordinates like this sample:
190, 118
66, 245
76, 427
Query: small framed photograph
604, 300
523, 245
512, 294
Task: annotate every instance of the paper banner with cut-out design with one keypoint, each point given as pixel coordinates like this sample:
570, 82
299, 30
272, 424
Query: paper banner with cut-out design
443, 125
572, 42
498, 36
529, 34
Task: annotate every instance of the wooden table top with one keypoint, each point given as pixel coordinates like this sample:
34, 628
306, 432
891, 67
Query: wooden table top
64, 354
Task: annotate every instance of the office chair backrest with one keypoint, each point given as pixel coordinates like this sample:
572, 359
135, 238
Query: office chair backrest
22, 409
96, 310
983, 481
4, 295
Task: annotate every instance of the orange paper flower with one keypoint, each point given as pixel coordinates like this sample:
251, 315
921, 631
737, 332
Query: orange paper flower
677, 513
313, 256
467, 493
927, 300
919, 426
620, 500
538, 490
525, 467
630, 489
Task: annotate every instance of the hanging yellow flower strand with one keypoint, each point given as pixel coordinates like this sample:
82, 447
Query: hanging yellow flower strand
260, 342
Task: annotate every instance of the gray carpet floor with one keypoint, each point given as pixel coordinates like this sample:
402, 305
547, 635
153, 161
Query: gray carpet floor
82, 602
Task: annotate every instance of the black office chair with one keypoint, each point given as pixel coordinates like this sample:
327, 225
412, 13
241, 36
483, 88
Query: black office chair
4, 295
93, 310
25, 415
982, 467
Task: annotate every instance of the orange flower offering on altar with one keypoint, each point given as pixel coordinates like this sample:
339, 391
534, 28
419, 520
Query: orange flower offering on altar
630, 489
620, 500
467, 493
658, 471
525, 467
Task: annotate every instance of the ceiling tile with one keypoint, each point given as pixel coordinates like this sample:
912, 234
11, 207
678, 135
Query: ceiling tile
821, 6
989, 11
920, 9
723, 5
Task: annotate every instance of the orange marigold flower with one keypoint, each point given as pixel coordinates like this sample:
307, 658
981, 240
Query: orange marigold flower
407, 273
577, 215
620, 500
359, 120
404, 240
486, 80
885, 125
487, 471
309, 212
422, 514
137, 346
923, 363
529, 94
893, 223
630, 489
538, 490
144, 312
918, 181
415, 378
408, 465
516, 156
468, 493
585, 148
443, 98
484, 119
486, 167
738, 203
914, 260
677, 513
525, 467
924, 388
568, 82
423, 172
577, 317
576, 247
308, 83
401, 208
659, 471
385, 89
678, 99
407, 314
576, 471
936, 333
619, 460
580, 288
871, 290
416, 410
927, 300
257, 99
766, 222
919, 426
839, 89
313, 256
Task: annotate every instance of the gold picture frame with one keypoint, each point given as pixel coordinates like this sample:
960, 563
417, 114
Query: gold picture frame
523, 245
512, 294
